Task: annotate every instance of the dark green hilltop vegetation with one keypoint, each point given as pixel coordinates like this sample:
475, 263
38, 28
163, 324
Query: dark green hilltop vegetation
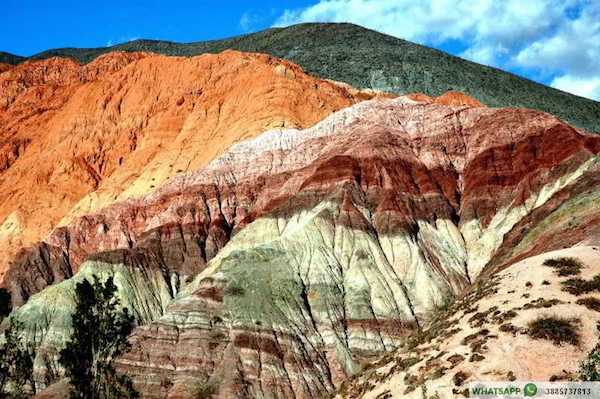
8, 58
368, 59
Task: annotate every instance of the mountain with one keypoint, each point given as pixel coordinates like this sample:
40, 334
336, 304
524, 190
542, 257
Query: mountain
367, 59
297, 258
275, 234
76, 138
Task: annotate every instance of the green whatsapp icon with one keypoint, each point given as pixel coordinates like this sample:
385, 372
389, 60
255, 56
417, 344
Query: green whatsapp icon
530, 389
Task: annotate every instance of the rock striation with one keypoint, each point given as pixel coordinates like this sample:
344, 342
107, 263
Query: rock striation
486, 335
75, 138
286, 264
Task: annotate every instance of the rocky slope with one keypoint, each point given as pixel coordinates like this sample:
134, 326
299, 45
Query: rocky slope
74, 138
489, 335
292, 260
368, 59
4, 67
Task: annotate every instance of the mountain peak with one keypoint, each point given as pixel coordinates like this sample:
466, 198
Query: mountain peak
367, 59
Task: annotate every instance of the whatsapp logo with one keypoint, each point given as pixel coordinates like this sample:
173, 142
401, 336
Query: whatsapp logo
530, 389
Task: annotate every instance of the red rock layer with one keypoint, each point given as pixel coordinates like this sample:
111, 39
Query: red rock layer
119, 126
455, 163
391, 165
400, 173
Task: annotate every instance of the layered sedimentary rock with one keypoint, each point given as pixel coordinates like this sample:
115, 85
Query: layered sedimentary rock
295, 257
486, 335
75, 138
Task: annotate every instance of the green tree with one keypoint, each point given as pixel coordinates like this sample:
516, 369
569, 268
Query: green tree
16, 364
100, 330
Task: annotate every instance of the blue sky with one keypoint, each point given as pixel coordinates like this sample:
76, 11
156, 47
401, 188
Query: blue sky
30, 26
556, 42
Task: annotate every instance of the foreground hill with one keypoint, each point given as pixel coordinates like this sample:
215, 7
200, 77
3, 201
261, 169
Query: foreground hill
368, 59
296, 258
494, 333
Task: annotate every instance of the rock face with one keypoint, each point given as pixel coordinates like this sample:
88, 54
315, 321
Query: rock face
75, 138
4, 67
282, 266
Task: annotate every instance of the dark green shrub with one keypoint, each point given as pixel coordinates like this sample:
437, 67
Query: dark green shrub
556, 329
590, 303
565, 266
579, 286
589, 368
16, 364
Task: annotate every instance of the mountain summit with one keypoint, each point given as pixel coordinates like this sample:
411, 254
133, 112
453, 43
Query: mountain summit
365, 58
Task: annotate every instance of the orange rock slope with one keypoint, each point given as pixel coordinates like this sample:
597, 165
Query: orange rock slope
4, 67
451, 98
75, 138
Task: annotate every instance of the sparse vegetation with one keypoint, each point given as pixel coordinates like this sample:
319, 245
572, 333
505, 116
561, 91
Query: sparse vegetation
479, 318
511, 376
204, 390
459, 378
234, 290
565, 266
541, 303
578, 286
472, 337
590, 303
476, 357
408, 362
563, 376
509, 328
456, 359
508, 315
556, 329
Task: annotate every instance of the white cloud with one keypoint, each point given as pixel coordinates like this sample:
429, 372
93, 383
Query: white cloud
573, 48
120, 40
585, 87
247, 21
543, 37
